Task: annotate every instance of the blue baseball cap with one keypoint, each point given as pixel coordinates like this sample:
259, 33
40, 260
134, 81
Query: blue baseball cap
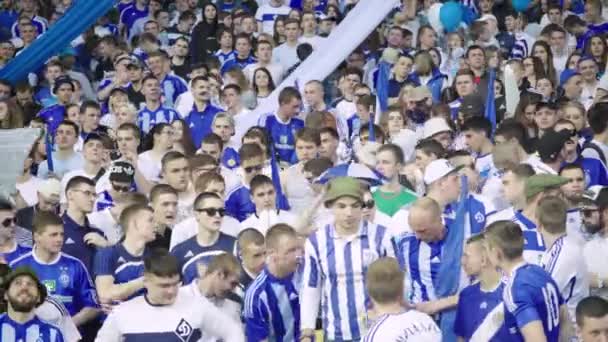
566, 75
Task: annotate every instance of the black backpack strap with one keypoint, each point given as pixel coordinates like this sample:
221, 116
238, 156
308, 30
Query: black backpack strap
593, 146
99, 174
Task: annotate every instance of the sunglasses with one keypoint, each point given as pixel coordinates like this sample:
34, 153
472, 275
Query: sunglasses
250, 169
121, 188
9, 221
370, 204
212, 211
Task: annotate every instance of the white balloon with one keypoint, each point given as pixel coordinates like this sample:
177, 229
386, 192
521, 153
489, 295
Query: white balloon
433, 16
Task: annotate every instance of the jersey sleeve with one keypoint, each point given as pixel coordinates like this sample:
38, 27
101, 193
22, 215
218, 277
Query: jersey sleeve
521, 305
87, 296
257, 318
311, 285
104, 262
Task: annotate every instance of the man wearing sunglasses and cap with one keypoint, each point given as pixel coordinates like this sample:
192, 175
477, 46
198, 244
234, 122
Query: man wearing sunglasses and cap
10, 248
24, 293
121, 178
595, 251
344, 273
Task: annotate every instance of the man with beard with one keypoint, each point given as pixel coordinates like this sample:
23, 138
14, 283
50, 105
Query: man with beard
595, 219
24, 293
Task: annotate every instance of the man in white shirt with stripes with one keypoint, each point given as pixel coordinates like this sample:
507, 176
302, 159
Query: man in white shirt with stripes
563, 258
337, 257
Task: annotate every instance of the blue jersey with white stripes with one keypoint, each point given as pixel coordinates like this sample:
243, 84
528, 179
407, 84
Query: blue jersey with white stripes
172, 87
18, 251
481, 314
532, 295
189, 254
147, 118
283, 136
117, 262
534, 246
272, 309
34, 330
422, 261
223, 57
336, 266
66, 278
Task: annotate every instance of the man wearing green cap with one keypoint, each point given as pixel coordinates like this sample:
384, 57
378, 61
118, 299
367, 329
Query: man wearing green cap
536, 187
23, 293
337, 257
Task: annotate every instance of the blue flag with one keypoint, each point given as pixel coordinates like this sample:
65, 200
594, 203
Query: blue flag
449, 271
49, 151
384, 74
490, 101
80, 16
281, 200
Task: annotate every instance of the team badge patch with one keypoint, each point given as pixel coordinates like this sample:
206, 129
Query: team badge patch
184, 330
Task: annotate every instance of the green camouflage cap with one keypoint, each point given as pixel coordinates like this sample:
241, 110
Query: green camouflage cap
538, 183
341, 187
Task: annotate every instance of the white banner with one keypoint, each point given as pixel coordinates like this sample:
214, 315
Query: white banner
344, 39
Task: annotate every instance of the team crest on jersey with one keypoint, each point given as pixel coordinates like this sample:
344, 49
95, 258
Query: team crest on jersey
483, 305
283, 139
50, 285
64, 277
183, 330
479, 217
231, 162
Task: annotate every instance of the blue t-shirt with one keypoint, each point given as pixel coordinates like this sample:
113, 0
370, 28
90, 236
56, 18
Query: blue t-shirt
16, 253
223, 57
532, 295
189, 253
116, 261
130, 15
66, 279
73, 240
481, 312
230, 158
34, 330
237, 62
200, 123
283, 136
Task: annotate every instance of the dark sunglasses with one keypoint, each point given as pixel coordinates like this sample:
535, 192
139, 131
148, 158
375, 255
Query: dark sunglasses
212, 211
369, 204
588, 212
250, 169
9, 221
121, 188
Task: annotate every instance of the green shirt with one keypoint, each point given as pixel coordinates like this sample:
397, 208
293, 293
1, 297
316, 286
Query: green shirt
390, 202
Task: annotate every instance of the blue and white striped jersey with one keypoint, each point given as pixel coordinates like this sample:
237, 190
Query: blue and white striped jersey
334, 274
566, 265
534, 246
267, 14
35, 330
223, 57
172, 87
480, 314
272, 309
189, 253
532, 295
523, 45
18, 251
146, 118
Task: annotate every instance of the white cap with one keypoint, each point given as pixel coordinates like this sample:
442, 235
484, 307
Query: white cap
438, 169
433, 126
50, 188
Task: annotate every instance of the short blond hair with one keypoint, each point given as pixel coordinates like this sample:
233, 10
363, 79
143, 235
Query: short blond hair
384, 281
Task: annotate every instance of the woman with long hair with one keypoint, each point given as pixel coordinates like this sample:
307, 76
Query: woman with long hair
333, 11
262, 83
204, 35
542, 50
279, 30
236, 76
525, 111
546, 88
533, 70
572, 61
428, 74
10, 117
394, 123
574, 111
596, 47
182, 139
156, 144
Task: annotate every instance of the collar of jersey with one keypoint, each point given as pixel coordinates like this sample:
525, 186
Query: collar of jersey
361, 232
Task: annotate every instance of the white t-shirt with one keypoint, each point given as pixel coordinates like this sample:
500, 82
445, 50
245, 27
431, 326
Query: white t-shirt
314, 41
285, 55
104, 221
411, 325
29, 190
149, 167
243, 121
595, 253
53, 311
267, 219
346, 109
